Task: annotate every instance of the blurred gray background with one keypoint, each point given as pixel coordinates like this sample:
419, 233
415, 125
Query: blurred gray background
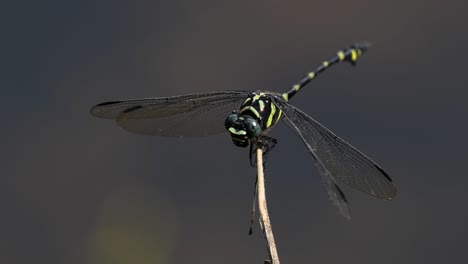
76, 189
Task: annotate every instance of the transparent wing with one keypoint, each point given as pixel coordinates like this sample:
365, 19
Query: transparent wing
190, 115
337, 157
334, 192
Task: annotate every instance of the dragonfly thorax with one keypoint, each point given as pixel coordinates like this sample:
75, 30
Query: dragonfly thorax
256, 114
242, 128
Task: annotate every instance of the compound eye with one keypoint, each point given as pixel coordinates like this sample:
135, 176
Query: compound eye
252, 128
231, 120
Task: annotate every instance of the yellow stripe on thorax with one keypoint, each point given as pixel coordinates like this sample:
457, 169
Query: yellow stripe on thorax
261, 104
257, 96
270, 117
252, 109
279, 116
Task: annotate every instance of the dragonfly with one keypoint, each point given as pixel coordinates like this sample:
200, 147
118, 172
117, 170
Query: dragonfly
248, 116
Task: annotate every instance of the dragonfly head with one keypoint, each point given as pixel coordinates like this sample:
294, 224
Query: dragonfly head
242, 128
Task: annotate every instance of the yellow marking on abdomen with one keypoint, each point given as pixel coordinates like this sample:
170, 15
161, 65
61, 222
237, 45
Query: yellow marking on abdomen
297, 87
341, 55
325, 64
354, 55
311, 75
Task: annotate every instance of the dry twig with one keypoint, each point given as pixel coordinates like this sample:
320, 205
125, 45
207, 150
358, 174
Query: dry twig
263, 210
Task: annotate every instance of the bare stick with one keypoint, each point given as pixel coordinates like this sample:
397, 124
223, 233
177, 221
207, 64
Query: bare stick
262, 208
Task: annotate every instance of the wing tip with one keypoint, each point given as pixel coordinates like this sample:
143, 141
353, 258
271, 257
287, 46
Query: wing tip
341, 193
94, 111
392, 192
99, 110
344, 210
385, 174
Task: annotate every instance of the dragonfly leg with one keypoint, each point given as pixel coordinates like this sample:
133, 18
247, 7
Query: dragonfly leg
252, 216
267, 144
